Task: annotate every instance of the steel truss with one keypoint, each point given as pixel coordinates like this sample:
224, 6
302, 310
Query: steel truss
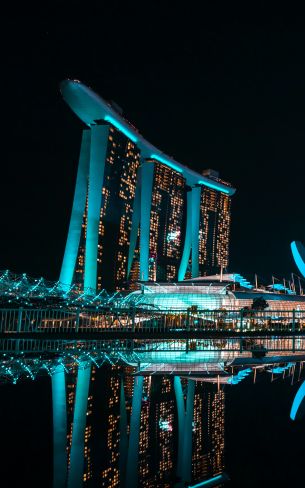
33, 292
15, 367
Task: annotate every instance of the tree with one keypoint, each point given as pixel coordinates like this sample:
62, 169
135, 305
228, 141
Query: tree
259, 303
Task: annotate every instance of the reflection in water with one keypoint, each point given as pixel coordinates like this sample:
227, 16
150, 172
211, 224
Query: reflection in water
151, 431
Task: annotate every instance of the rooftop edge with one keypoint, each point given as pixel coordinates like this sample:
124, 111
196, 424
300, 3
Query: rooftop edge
90, 107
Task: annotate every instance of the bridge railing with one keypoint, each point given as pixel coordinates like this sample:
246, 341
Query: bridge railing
151, 321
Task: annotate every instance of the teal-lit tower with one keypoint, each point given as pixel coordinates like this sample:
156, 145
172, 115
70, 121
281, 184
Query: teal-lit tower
137, 213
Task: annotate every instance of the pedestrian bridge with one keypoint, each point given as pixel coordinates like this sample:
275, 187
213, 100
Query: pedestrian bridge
204, 343
194, 333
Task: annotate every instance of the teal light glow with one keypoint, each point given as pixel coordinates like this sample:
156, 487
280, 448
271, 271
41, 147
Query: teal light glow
79, 203
280, 287
241, 375
244, 372
298, 406
208, 482
166, 162
298, 253
196, 193
165, 425
134, 224
188, 239
98, 151
147, 175
177, 301
181, 417
59, 427
121, 128
242, 281
214, 186
278, 370
172, 236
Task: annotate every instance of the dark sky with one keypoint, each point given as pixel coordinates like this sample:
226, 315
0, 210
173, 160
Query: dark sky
212, 89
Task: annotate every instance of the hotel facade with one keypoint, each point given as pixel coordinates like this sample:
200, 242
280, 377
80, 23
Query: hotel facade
137, 213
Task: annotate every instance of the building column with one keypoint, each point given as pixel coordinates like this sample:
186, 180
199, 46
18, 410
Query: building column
188, 432
188, 238
79, 203
59, 427
98, 153
135, 223
196, 193
191, 242
181, 415
123, 435
147, 173
134, 435
185, 430
76, 470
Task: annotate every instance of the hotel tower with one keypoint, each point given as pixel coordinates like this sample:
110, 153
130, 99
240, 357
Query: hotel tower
137, 213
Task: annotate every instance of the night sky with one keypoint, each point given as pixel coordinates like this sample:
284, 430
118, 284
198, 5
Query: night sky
212, 89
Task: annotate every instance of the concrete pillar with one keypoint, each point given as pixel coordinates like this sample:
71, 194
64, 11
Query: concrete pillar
185, 427
147, 173
188, 238
181, 416
76, 471
196, 193
134, 436
135, 222
123, 435
59, 428
191, 242
98, 153
188, 432
79, 202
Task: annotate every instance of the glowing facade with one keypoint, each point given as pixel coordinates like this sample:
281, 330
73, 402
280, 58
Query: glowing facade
125, 430
109, 463
214, 230
162, 434
208, 432
117, 192
166, 223
209, 293
138, 213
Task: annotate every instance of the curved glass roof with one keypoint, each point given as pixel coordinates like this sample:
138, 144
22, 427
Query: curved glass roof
179, 301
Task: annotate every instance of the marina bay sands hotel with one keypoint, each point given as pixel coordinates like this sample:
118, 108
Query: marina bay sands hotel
137, 213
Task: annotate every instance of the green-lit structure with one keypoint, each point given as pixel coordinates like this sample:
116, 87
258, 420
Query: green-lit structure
164, 220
